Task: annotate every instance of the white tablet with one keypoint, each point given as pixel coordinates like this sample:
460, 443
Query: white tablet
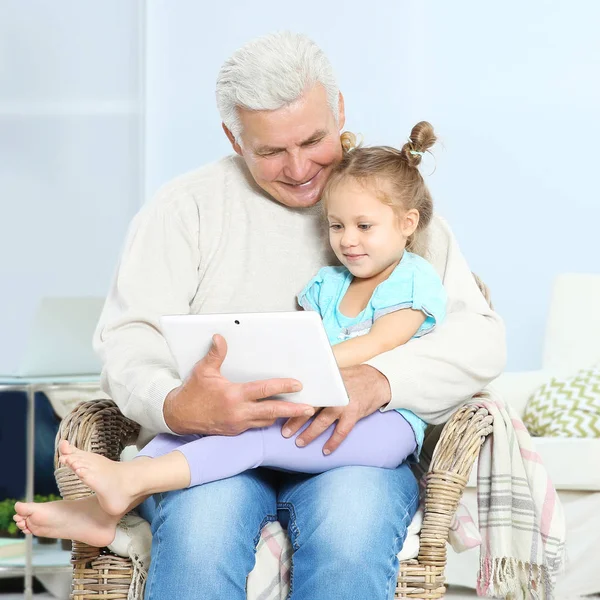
262, 346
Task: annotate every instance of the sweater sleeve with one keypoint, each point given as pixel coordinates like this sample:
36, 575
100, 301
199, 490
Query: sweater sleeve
157, 275
433, 375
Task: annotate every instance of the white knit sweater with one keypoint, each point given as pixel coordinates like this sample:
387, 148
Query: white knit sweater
213, 241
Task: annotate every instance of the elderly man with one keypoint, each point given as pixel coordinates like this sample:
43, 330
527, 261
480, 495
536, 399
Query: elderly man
244, 234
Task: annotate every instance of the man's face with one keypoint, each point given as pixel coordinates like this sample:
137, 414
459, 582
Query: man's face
291, 151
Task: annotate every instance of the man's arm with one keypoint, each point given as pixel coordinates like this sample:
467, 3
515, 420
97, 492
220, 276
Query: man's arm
158, 275
436, 373
388, 332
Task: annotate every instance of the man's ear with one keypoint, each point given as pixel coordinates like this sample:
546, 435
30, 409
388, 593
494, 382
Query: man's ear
409, 222
236, 147
341, 112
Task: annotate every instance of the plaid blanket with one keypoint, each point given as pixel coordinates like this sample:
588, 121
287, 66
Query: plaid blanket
520, 516
270, 578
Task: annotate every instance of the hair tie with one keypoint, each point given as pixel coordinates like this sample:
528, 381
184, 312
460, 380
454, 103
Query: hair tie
358, 140
416, 152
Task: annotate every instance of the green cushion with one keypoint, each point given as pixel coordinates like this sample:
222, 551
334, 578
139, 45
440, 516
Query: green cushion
566, 406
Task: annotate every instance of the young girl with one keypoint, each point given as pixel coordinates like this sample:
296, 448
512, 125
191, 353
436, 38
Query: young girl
383, 294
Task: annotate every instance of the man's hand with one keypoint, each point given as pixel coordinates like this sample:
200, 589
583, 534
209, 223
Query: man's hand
207, 403
368, 390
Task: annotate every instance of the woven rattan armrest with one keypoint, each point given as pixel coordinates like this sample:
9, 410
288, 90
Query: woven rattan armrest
446, 479
451, 464
97, 426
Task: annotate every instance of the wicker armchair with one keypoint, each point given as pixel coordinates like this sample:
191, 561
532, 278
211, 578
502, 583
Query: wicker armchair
98, 426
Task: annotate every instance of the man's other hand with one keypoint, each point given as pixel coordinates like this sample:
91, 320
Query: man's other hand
368, 390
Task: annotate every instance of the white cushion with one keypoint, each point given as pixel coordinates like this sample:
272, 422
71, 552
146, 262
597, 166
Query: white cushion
410, 549
571, 345
516, 388
572, 463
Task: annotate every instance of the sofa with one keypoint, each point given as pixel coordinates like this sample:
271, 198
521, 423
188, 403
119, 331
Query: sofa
573, 463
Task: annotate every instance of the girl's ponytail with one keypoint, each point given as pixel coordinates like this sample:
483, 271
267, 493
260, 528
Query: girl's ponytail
422, 137
349, 141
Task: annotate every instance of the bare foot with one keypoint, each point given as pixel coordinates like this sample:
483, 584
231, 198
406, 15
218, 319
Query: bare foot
115, 483
82, 520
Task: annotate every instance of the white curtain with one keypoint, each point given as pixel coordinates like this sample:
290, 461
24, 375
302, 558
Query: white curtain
71, 109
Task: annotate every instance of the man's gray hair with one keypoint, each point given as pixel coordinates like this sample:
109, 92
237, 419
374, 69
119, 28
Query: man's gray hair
271, 72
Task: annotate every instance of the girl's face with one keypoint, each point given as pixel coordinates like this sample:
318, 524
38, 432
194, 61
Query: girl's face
367, 236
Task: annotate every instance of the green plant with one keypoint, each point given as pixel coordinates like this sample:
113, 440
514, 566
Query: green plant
7, 510
49, 498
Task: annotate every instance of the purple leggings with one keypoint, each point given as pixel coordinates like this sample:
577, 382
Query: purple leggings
383, 439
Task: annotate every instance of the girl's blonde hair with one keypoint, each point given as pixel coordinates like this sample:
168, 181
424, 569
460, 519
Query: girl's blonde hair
378, 164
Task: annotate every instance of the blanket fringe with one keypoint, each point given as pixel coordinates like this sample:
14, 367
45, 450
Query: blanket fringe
514, 579
138, 579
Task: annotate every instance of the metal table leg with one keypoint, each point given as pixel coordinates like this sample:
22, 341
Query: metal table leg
29, 487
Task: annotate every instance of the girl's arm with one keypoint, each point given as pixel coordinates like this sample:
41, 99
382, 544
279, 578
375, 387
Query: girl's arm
435, 374
388, 332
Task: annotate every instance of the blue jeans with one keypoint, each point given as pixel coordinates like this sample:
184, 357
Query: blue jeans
346, 527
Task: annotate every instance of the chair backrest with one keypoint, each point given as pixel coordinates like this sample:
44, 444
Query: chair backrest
484, 290
573, 329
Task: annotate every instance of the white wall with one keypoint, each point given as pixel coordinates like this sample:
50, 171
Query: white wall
512, 88
69, 152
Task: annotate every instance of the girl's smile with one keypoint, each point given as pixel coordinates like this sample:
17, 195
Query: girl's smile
366, 234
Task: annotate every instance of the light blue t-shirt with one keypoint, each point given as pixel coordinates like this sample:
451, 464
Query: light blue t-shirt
414, 283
